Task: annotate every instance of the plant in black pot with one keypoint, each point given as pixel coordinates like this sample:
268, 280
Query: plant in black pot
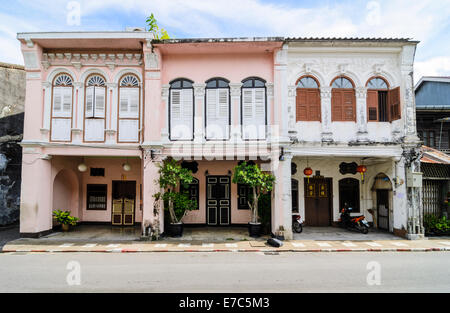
260, 183
176, 203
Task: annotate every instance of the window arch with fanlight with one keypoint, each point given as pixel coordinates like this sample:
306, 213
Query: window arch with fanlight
383, 103
343, 100
308, 99
129, 108
95, 109
61, 113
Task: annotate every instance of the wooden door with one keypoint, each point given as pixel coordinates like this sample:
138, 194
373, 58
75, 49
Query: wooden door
218, 200
317, 202
383, 209
123, 203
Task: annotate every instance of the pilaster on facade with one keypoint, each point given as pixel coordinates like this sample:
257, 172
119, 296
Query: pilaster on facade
165, 90
292, 110
199, 116
325, 106
361, 114
235, 97
270, 103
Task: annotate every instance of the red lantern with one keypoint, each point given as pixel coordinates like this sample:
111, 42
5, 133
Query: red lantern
308, 172
361, 169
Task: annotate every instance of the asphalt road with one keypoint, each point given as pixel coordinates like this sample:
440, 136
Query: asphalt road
225, 272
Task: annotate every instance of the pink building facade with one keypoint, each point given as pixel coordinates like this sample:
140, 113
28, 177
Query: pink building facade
103, 110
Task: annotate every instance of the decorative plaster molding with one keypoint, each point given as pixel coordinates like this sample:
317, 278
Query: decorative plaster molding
325, 92
199, 89
165, 91
235, 89
270, 89
361, 92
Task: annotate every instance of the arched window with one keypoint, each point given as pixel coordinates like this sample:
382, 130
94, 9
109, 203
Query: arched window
129, 109
217, 108
253, 109
95, 109
383, 104
377, 109
181, 110
62, 100
308, 99
343, 100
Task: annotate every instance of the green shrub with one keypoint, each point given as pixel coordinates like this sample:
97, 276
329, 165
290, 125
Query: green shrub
65, 218
434, 224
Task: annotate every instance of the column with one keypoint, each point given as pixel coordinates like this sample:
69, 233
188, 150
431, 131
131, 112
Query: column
152, 211
153, 110
36, 200
325, 107
292, 110
165, 98
46, 107
281, 93
281, 196
235, 94
111, 113
199, 116
361, 114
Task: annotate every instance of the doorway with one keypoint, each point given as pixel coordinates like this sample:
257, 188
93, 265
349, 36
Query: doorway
383, 209
349, 194
218, 200
318, 201
123, 203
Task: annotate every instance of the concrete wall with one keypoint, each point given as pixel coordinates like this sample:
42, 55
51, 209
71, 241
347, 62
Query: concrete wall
12, 89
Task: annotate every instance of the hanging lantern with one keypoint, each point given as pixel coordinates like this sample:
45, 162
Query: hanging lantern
308, 172
361, 169
82, 167
126, 167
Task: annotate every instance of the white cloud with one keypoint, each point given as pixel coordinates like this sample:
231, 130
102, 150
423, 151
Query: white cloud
424, 20
438, 66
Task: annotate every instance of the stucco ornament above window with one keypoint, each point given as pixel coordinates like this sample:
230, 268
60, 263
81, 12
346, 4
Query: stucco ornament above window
129, 81
63, 80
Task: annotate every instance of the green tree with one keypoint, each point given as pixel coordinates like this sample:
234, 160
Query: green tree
260, 183
171, 177
154, 28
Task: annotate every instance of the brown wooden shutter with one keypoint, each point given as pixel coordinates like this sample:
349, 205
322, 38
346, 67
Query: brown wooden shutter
394, 104
336, 105
349, 105
314, 105
372, 105
301, 105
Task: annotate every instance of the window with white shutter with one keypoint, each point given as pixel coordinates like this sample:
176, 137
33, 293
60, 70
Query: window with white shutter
61, 122
217, 110
95, 109
129, 109
181, 110
253, 109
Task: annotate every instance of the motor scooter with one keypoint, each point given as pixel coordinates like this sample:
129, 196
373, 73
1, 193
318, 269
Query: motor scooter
297, 223
356, 223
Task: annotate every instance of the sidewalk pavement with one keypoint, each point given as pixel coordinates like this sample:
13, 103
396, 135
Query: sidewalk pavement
45, 246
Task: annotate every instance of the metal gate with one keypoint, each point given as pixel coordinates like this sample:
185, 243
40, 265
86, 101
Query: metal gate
431, 195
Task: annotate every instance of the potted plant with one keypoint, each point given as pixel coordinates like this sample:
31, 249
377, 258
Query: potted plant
65, 219
260, 183
171, 177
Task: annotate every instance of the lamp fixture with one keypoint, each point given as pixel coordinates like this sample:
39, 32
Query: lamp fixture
82, 167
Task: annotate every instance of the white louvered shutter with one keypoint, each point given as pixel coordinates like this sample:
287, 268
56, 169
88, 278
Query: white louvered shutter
62, 102
181, 114
89, 111
217, 110
99, 110
254, 113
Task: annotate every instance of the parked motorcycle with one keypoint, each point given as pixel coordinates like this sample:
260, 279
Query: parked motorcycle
356, 223
297, 223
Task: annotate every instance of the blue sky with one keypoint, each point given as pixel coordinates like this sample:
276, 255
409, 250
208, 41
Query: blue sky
424, 20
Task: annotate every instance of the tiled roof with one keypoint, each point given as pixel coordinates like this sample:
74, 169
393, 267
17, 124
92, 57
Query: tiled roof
431, 155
